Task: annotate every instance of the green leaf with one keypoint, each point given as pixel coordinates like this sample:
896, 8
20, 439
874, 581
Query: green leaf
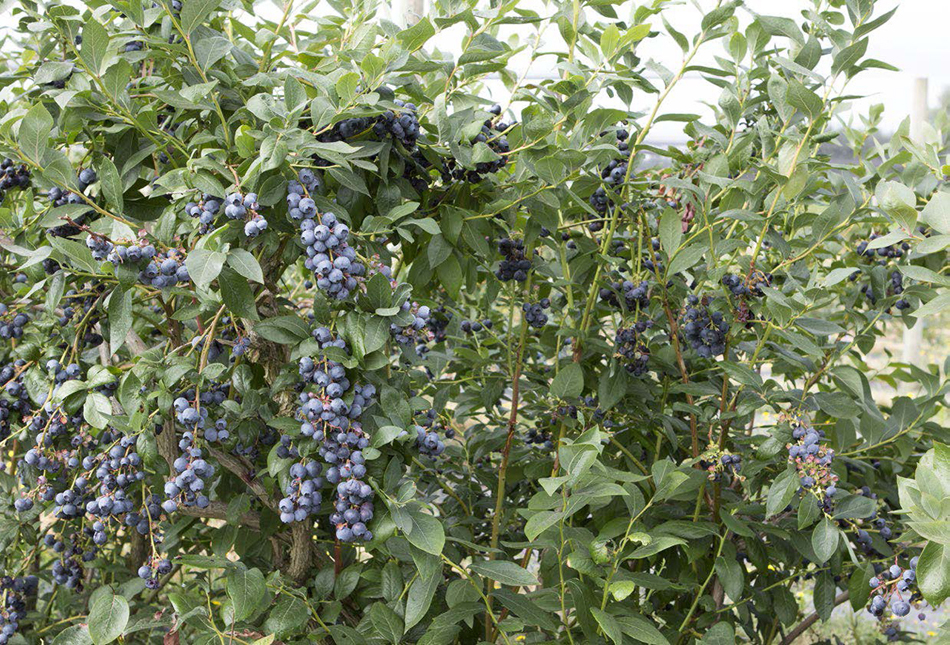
386, 622
283, 330
936, 213
288, 615
854, 507
935, 306
803, 99
719, 634
450, 275
730, 575
209, 51
612, 387
246, 588
95, 45
898, 201
824, 596
33, 135
609, 40
79, 255
507, 573
75, 635
97, 409
108, 617
569, 382
686, 258
933, 573
421, 529
194, 12
662, 543
417, 35
111, 183
824, 540
849, 56
522, 606
640, 629
671, 231
246, 264
781, 492
609, 624
237, 294
859, 589
120, 317
420, 596
540, 522
204, 266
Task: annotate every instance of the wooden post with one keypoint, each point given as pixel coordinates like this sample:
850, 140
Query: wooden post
913, 337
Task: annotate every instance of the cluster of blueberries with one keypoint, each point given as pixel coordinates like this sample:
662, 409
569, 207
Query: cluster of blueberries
12, 176
12, 327
740, 287
474, 326
302, 493
332, 260
612, 174
540, 437
416, 331
95, 485
631, 347
193, 415
704, 330
514, 266
164, 268
133, 46
67, 571
62, 374
890, 587
402, 125
492, 134
49, 424
635, 295
897, 288
654, 264
115, 470
192, 474
813, 460
438, 323
718, 465
237, 206
731, 463
891, 251
59, 197
429, 442
13, 609
241, 345
331, 423
534, 313
18, 403
151, 570
83, 302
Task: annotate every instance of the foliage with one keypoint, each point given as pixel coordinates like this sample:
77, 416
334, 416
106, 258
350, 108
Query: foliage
305, 340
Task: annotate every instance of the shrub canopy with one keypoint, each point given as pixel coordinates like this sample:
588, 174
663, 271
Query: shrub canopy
303, 339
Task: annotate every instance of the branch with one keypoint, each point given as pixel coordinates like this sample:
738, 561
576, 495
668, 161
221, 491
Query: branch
808, 622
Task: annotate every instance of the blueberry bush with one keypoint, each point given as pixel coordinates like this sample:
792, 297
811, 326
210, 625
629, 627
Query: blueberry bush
307, 337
